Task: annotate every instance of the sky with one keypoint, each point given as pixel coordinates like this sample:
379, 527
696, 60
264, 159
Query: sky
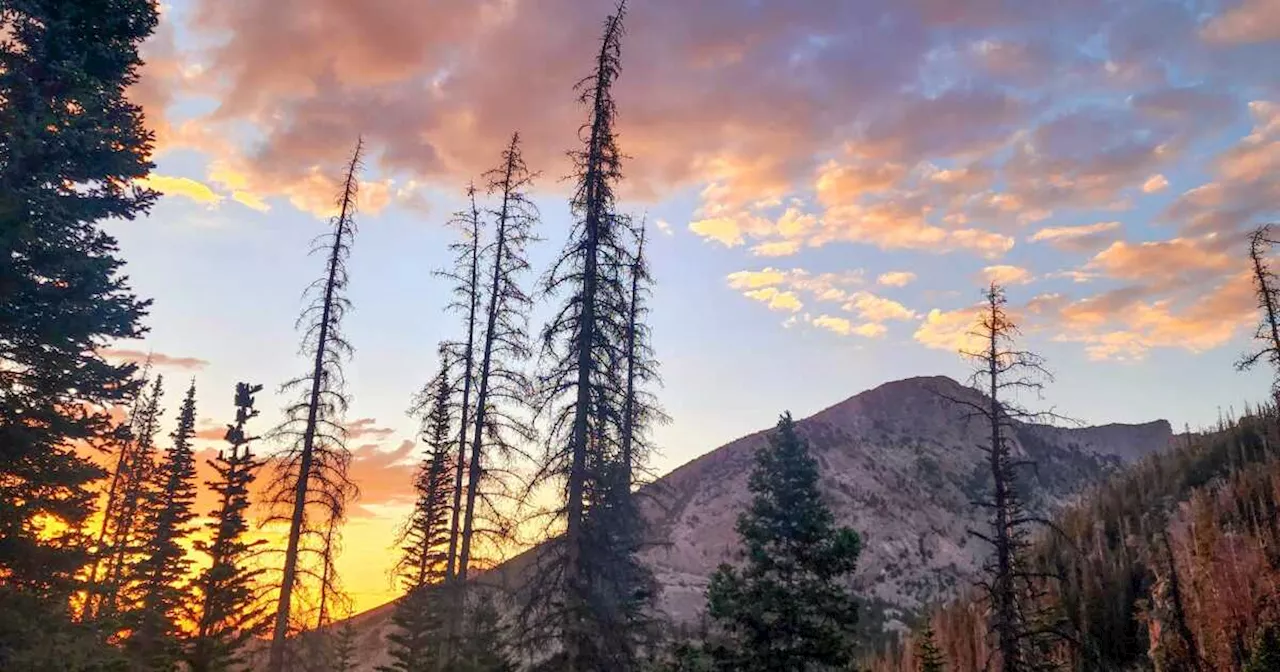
830, 184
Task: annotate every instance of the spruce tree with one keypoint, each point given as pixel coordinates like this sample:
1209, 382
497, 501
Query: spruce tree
579, 602
931, 659
502, 389
789, 606
310, 488
230, 613
416, 642
344, 648
128, 543
484, 647
71, 146
162, 573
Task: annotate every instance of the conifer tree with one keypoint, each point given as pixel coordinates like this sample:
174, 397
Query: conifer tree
311, 488
230, 613
931, 659
466, 300
72, 147
344, 648
789, 606
128, 544
579, 601
162, 572
1012, 587
501, 386
1267, 290
484, 646
416, 643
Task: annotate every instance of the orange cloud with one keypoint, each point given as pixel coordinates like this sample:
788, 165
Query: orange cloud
157, 359
1163, 263
874, 308
1250, 21
1006, 275
896, 278
776, 299
1155, 184
1085, 238
845, 327
184, 187
949, 330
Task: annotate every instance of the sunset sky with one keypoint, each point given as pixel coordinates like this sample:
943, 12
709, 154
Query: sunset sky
829, 183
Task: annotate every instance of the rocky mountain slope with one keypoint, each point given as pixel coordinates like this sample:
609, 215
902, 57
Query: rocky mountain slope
900, 464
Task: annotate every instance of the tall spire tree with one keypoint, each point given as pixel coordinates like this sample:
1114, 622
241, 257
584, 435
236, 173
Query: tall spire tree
229, 612
1013, 588
466, 300
128, 538
415, 644
73, 146
577, 599
310, 486
1266, 287
501, 386
163, 570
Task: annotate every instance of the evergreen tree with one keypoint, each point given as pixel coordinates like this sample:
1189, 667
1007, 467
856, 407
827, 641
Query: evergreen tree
931, 659
71, 146
163, 571
344, 648
311, 487
484, 646
128, 546
417, 638
1266, 652
501, 386
789, 606
465, 275
230, 613
579, 602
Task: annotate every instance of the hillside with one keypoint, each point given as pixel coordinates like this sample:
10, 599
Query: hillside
900, 463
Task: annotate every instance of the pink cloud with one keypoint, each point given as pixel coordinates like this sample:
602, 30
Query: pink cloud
157, 359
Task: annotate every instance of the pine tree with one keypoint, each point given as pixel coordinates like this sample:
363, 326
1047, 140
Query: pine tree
128, 543
72, 147
1267, 291
931, 659
1265, 656
230, 614
789, 606
1013, 588
484, 646
466, 300
580, 599
501, 387
344, 648
311, 487
163, 571
417, 639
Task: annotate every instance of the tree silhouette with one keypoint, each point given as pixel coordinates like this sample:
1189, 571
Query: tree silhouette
1267, 290
230, 613
310, 486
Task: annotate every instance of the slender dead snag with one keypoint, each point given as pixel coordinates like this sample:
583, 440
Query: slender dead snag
1267, 290
466, 275
500, 383
316, 458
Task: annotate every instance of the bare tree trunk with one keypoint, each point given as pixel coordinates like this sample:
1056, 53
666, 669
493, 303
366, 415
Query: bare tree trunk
280, 631
468, 359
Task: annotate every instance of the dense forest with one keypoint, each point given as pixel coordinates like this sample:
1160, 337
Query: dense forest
107, 563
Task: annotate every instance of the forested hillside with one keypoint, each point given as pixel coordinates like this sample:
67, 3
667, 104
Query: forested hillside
1174, 564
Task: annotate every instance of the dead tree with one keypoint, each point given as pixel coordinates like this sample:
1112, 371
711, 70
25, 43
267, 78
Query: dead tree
1013, 588
310, 487
1266, 287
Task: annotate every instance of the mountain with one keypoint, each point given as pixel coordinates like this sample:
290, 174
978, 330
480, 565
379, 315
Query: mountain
900, 463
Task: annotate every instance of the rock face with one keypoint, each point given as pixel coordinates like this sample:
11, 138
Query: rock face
900, 463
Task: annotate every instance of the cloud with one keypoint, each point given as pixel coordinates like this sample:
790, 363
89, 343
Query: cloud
1007, 275
1248, 22
385, 476
1167, 263
665, 227
757, 279
874, 308
184, 187
1155, 184
896, 278
158, 359
1085, 238
845, 327
775, 299
365, 429
948, 330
